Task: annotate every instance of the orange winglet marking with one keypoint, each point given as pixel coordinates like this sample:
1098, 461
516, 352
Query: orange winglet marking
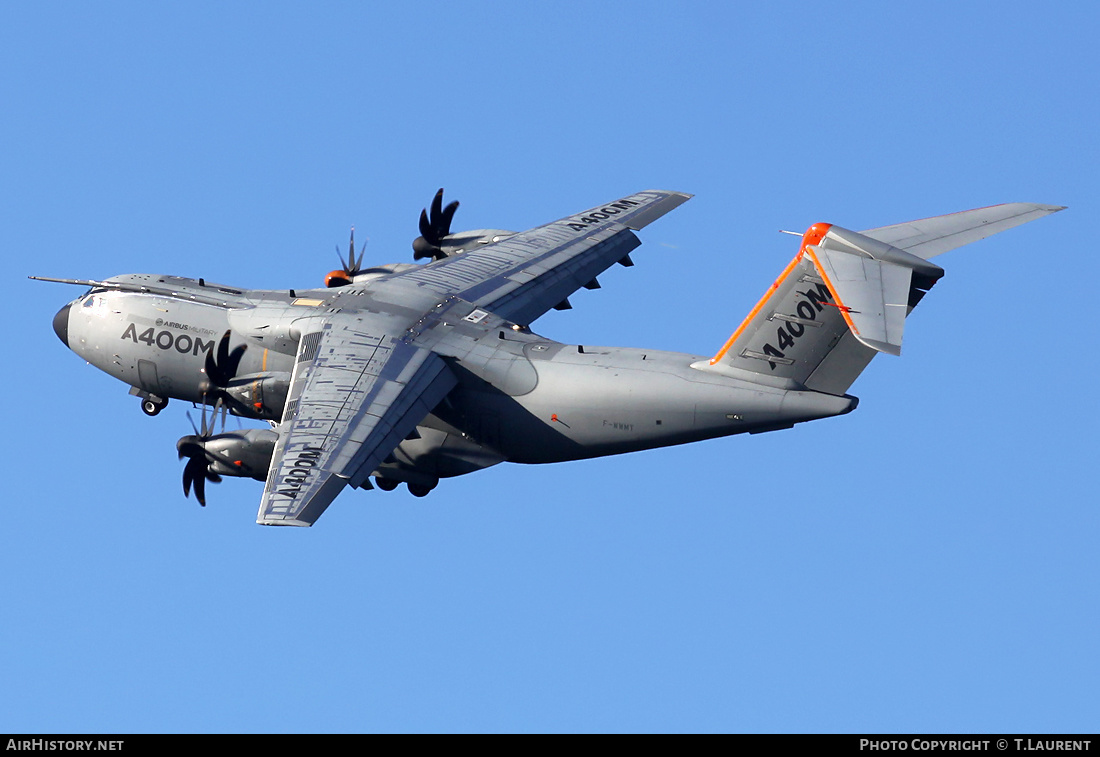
813, 235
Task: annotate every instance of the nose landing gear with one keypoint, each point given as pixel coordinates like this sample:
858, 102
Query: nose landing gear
152, 405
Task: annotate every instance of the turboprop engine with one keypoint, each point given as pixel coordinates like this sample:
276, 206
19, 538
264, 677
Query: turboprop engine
257, 395
434, 243
436, 240
353, 272
245, 453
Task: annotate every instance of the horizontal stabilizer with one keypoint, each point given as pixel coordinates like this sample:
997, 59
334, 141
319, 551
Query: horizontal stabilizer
845, 296
929, 237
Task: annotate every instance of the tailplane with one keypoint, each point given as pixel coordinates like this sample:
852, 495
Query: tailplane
845, 296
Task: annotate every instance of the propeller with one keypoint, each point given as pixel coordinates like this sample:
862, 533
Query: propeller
344, 275
193, 447
433, 228
220, 370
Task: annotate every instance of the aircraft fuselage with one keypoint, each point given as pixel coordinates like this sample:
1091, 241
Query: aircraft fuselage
521, 397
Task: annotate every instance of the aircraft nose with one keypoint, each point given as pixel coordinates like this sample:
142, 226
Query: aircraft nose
61, 324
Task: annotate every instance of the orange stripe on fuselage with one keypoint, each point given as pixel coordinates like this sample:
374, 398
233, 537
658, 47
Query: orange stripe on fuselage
813, 235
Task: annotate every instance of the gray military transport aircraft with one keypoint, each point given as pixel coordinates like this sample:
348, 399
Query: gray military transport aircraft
409, 373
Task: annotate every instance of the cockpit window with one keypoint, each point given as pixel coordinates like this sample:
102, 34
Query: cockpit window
94, 304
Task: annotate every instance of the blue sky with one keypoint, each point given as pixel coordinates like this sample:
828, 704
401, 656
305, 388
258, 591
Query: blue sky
927, 563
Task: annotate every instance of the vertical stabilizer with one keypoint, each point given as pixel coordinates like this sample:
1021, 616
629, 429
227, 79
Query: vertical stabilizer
845, 296
842, 299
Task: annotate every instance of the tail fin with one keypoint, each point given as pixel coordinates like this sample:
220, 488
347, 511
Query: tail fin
842, 300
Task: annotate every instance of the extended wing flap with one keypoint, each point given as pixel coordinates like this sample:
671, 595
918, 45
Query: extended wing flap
357, 391
424, 381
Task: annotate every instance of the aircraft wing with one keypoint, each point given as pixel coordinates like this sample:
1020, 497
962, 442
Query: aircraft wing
358, 389
526, 274
933, 236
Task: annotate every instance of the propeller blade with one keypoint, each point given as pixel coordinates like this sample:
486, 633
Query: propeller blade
355, 264
200, 485
220, 371
437, 205
445, 220
362, 255
197, 471
210, 367
425, 227
223, 359
194, 473
434, 226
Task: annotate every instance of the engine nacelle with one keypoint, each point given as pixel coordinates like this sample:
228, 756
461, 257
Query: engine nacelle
458, 243
343, 278
246, 454
259, 395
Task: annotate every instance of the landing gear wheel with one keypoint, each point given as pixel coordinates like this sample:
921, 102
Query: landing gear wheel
153, 407
386, 484
420, 490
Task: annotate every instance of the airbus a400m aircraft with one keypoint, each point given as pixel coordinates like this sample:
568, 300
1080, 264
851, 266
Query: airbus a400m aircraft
409, 373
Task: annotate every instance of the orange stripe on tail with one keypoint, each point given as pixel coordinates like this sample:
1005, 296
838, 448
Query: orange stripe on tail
813, 235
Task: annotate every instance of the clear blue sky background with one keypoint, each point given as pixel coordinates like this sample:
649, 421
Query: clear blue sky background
927, 563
